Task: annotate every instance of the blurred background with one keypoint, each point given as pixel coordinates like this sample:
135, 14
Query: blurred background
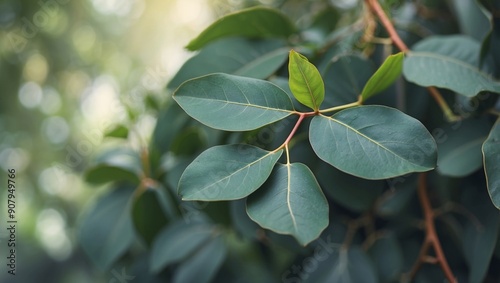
71, 72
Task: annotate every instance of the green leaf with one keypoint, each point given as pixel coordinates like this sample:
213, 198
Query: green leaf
491, 157
203, 265
290, 202
188, 142
480, 233
459, 151
148, 215
257, 22
176, 242
115, 165
239, 56
387, 257
227, 172
171, 120
305, 81
346, 77
120, 131
432, 69
384, 76
107, 231
233, 103
373, 142
460, 47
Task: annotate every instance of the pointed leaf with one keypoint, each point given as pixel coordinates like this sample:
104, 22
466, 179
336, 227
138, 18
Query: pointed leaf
107, 231
177, 242
257, 22
233, 103
115, 165
384, 76
491, 157
238, 56
227, 172
432, 69
373, 142
290, 202
305, 81
203, 265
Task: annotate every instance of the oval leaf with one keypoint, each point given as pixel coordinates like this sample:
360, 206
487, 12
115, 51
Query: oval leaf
239, 56
384, 76
290, 202
257, 22
373, 142
233, 103
459, 153
432, 69
305, 81
177, 242
107, 231
148, 215
203, 265
491, 159
227, 172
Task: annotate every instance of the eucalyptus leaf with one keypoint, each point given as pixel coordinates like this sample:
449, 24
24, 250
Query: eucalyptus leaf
107, 231
148, 215
233, 103
305, 81
373, 142
433, 69
115, 165
491, 159
290, 202
384, 76
239, 56
256, 22
177, 241
227, 172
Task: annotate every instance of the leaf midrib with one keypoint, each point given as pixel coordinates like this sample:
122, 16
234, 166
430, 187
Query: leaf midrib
241, 104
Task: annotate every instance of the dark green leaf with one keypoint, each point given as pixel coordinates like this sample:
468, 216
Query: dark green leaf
480, 233
171, 121
148, 215
177, 242
345, 77
188, 142
305, 81
430, 69
460, 150
119, 164
460, 47
290, 202
471, 19
491, 157
388, 258
257, 22
384, 76
373, 142
107, 231
202, 266
239, 56
227, 172
233, 103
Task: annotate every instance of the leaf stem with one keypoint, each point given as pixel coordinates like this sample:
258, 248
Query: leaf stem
389, 27
292, 133
431, 237
337, 108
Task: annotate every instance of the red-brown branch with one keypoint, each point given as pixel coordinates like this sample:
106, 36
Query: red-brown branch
389, 27
431, 237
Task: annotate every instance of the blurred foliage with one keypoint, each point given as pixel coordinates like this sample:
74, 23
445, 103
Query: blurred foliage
83, 94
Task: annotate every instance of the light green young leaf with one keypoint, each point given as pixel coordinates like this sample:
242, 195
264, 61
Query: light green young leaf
227, 172
432, 69
256, 22
290, 202
373, 142
384, 76
233, 103
491, 159
305, 81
